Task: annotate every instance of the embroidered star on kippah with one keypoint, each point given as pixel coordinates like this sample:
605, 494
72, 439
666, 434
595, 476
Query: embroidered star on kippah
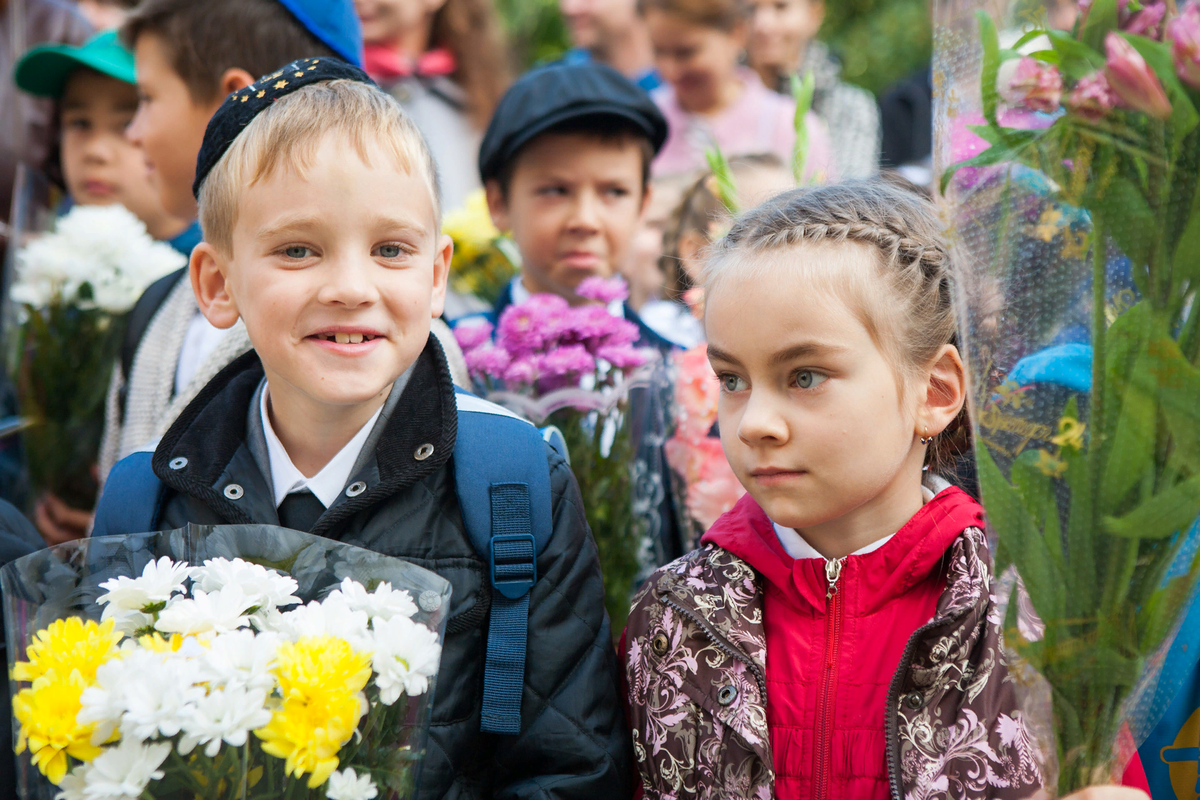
279, 84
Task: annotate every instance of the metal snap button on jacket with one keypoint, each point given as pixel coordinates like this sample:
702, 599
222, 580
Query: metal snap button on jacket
659, 644
178, 463
726, 694
429, 600
423, 452
355, 489
234, 492
914, 700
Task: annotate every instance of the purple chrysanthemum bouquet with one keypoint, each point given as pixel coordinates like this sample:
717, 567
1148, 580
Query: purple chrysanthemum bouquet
572, 367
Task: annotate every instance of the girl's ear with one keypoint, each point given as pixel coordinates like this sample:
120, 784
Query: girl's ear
944, 394
207, 270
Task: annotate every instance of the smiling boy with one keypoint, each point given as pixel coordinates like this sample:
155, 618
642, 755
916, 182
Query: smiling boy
322, 225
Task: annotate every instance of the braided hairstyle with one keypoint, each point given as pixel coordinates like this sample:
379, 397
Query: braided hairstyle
905, 302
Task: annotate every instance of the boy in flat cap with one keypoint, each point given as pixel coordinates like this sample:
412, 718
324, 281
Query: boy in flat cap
322, 224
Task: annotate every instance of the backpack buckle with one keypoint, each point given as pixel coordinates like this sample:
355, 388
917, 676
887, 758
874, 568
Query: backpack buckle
513, 563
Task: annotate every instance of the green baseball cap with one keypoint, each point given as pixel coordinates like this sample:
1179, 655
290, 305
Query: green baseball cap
44, 70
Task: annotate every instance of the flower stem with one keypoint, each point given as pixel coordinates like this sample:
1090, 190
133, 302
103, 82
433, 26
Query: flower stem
1099, 325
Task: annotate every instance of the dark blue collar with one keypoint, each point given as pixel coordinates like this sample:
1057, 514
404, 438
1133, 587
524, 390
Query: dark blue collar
187, 240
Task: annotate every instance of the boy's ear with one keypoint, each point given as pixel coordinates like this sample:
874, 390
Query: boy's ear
944, 394
497, 205
233, 79
441, 274
207, 270
647, 194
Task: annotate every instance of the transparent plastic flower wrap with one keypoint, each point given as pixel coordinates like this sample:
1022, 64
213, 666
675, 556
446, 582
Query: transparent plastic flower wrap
579, 370
241, 661
1069, 163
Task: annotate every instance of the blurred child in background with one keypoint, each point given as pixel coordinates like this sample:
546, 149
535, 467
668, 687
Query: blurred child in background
783, 43
709, 98
611, 32
106, 15
445, 61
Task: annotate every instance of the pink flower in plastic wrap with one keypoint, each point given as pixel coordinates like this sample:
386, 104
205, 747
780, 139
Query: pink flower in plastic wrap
622, 356
1184, 35
593, 327
570, 361
523, 371
1092, 98
487, 361
1132, 79
472, 334
1033, 84
603, 290
527, 327
696, 393
1146, 21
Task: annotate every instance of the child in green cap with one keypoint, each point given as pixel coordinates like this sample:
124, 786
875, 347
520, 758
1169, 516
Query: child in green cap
94, 87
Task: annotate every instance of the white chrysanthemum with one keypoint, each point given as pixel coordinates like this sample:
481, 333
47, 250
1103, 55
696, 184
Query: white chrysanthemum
383, 603
103, 703
406, 656
224, 715
240, 660
106, 247
158, 582
74, 783
266, 587
158, 693
219, 612
348, 785
123, 772
334, 617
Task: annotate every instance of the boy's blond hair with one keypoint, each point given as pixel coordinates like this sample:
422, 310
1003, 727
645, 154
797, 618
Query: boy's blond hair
286, 135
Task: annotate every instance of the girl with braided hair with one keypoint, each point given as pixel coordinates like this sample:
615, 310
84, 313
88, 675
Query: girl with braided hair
834, 636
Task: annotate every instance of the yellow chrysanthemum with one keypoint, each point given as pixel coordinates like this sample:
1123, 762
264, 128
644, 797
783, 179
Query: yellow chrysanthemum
321, 679
471, 228
69, 645
156, 643
46, 713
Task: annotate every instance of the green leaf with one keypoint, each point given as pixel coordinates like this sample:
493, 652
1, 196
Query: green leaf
802, 92
1131, 407
1127, 217
1037, 489
1019, 539
991, 64
1101, 18
719, 165
1166, 513
1076, 59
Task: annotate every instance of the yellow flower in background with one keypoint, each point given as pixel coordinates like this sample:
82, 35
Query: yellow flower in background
321, 679
69, 645
46, 713
470, 227
157, 643
481, 265
1049, 225
1070, 433
1049, 465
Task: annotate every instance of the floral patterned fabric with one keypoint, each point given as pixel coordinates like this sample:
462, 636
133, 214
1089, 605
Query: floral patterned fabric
696, 662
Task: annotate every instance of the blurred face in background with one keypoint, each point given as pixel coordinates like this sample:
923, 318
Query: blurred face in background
699, 62
100, 165
780, 30
394, 21
594, 23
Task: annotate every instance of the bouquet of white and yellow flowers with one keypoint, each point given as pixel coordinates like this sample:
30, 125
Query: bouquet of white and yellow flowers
218, 680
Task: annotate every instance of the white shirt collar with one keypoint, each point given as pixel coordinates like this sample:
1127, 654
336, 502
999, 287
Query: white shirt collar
795, 546
327, 484
520, 294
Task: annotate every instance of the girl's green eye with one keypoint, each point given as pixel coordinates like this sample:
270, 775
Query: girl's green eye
806, 379
390, 251
296, 251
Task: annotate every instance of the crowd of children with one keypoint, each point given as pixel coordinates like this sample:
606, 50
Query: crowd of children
301, 371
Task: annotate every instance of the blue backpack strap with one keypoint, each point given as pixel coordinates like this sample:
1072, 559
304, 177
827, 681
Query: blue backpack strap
503, 485
132, 498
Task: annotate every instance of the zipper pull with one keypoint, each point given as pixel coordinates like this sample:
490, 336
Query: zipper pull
833, 571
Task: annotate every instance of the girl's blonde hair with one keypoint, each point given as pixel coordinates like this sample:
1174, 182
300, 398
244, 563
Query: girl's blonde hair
905, 302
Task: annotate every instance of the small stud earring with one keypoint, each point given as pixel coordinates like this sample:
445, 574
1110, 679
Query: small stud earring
926, 439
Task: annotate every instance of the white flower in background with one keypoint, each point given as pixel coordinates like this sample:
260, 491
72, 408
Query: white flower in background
74, 783
104, 702
406, 656
383, 603
224, 715
221, 612
158, 582
348, 785
333, 616
240, 660
266, 587
106, 247
159, 693
123, 772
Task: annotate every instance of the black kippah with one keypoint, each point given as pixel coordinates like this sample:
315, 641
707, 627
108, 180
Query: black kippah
241, 107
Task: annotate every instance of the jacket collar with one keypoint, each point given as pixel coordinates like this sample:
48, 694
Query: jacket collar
207, 446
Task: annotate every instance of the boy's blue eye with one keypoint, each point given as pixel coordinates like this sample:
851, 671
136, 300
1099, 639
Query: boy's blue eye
731, 383
390, 251
296, 251
807, 379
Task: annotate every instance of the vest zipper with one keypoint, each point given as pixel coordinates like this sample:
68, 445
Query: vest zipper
722, 644
833, 635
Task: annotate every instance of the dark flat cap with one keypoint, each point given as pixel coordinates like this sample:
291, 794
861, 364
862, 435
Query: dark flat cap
556, 93
241, 107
